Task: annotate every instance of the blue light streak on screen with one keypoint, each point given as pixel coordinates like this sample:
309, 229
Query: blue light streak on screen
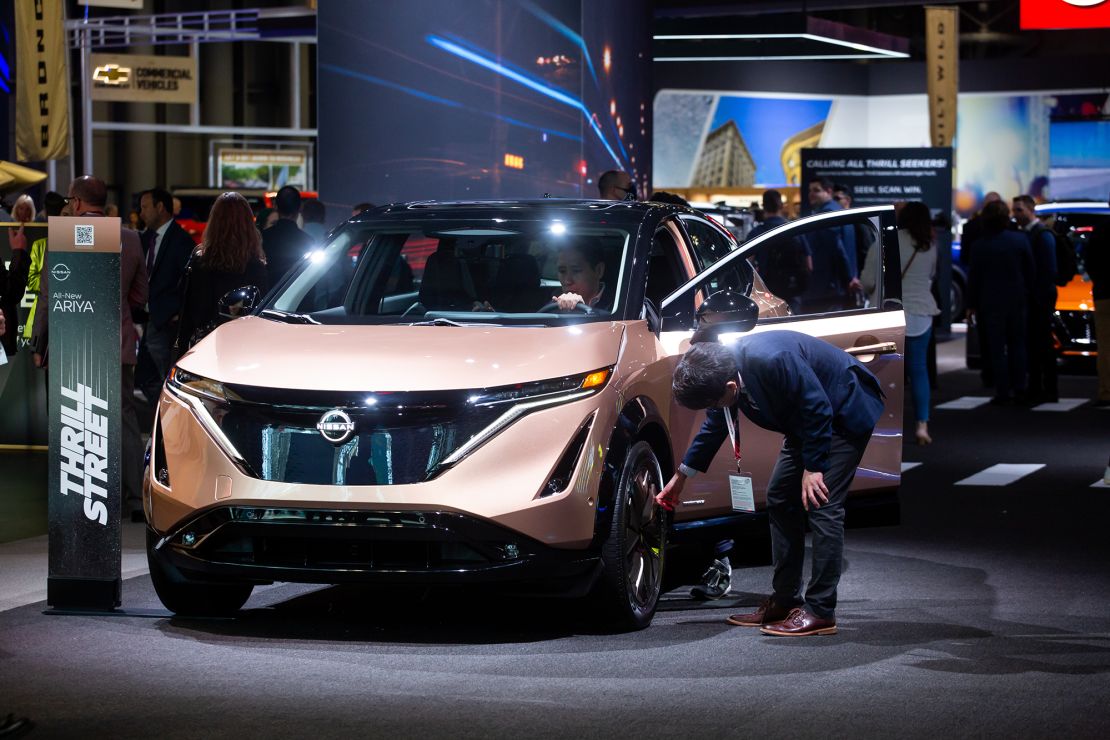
528, 82
562, 28
443, 101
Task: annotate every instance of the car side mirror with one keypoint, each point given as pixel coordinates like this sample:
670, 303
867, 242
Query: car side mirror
238, 302
728, 311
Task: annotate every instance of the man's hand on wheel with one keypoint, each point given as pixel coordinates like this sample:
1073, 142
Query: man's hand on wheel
668, 497
814, 490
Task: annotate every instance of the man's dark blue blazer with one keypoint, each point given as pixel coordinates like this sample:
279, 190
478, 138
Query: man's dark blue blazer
169, 266
804, 388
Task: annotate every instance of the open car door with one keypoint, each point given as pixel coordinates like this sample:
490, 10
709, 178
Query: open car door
797, 274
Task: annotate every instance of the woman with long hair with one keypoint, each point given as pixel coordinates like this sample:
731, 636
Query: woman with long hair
229, 257
918, 265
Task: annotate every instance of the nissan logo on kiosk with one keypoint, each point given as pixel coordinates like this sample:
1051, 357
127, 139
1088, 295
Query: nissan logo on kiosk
335, 426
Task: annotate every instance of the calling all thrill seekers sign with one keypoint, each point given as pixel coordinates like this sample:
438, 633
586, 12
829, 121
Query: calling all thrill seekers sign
883, 176
84, 402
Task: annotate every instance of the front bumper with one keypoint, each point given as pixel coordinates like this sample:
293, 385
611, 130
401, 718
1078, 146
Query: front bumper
503, 483
1074, 333
262, 544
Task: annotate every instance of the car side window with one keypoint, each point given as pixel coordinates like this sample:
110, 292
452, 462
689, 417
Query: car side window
709, 242
799, 271
667, 268
810, 270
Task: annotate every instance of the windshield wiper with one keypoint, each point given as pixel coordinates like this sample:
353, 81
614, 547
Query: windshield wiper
437, 322
288, 318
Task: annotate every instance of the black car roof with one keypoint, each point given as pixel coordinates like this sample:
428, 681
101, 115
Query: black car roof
617, 210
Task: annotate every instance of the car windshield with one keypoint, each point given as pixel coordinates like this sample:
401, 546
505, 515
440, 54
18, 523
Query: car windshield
459, 271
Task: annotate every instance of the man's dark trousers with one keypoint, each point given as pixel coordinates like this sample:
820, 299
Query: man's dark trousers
1042, 354
788, 522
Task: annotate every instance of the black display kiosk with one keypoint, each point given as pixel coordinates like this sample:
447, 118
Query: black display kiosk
83, 360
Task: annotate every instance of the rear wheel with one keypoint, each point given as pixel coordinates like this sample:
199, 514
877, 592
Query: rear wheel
193, 598
633, 554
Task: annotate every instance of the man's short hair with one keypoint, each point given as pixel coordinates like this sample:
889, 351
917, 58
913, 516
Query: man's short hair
1027, 201
996, 216
288, 201
608, 180
90, 189
53, 203
840, 187
772, 200
662, 196
825, 183
158, 195
702, 373
313, 211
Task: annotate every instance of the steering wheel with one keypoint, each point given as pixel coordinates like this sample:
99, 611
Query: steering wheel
553, 307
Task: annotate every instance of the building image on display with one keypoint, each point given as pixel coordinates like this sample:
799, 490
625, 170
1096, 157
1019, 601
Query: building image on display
725, 160
741, 140
1052, 145
448, 100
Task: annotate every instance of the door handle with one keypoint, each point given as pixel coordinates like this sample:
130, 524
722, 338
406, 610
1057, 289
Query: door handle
883, 348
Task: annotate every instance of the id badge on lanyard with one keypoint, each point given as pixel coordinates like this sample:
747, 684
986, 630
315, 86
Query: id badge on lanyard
740, 483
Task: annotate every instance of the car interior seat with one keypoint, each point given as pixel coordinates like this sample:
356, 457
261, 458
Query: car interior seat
516, 288
446, 284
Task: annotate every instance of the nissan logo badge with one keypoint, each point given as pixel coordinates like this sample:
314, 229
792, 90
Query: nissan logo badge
335, 426
60, 272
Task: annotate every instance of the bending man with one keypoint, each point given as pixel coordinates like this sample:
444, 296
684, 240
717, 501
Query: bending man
826, 404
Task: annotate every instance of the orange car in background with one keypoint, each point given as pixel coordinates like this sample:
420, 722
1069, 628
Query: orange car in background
1073, 326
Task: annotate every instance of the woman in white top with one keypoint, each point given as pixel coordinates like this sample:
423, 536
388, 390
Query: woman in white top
918, 267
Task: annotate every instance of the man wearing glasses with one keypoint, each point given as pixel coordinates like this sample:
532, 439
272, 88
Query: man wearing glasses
616, 185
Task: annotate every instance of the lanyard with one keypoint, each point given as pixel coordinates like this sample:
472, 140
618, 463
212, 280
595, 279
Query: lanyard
732, 429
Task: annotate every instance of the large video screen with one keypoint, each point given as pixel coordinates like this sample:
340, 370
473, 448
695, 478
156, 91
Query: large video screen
441, 99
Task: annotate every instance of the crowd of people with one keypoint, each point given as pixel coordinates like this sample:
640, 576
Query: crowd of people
170, 286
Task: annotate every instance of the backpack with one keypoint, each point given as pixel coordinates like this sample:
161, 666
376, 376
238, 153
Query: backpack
1066, 264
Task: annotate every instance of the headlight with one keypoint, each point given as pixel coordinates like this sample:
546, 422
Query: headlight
541, 389
210, 402
210, 390
524, 399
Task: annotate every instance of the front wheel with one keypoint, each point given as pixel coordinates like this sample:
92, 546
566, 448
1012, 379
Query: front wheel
633, 554
192, 598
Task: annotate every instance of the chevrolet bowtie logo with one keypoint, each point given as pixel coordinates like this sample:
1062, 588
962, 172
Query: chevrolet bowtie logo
112, 74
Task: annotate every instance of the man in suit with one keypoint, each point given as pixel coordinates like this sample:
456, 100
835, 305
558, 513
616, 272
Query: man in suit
826, 405
166, 249
1000, 289
284, 243
835, 277
1042, 306
87, 196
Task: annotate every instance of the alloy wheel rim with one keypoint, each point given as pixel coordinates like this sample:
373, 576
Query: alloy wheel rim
643, 537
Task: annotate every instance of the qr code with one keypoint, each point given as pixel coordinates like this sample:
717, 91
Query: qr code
83, 236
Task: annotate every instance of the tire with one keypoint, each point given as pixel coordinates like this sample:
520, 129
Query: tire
956, 308
192, 598
633, 554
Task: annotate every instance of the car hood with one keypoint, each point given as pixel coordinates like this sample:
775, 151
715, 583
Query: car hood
260, 352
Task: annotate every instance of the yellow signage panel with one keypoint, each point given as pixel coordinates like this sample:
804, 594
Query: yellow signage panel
42, 88
942, 60
137, 78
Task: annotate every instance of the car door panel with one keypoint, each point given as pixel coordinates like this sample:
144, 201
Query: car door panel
874, 336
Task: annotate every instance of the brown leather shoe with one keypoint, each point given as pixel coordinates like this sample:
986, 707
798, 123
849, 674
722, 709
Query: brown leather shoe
800, 623
767, 612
